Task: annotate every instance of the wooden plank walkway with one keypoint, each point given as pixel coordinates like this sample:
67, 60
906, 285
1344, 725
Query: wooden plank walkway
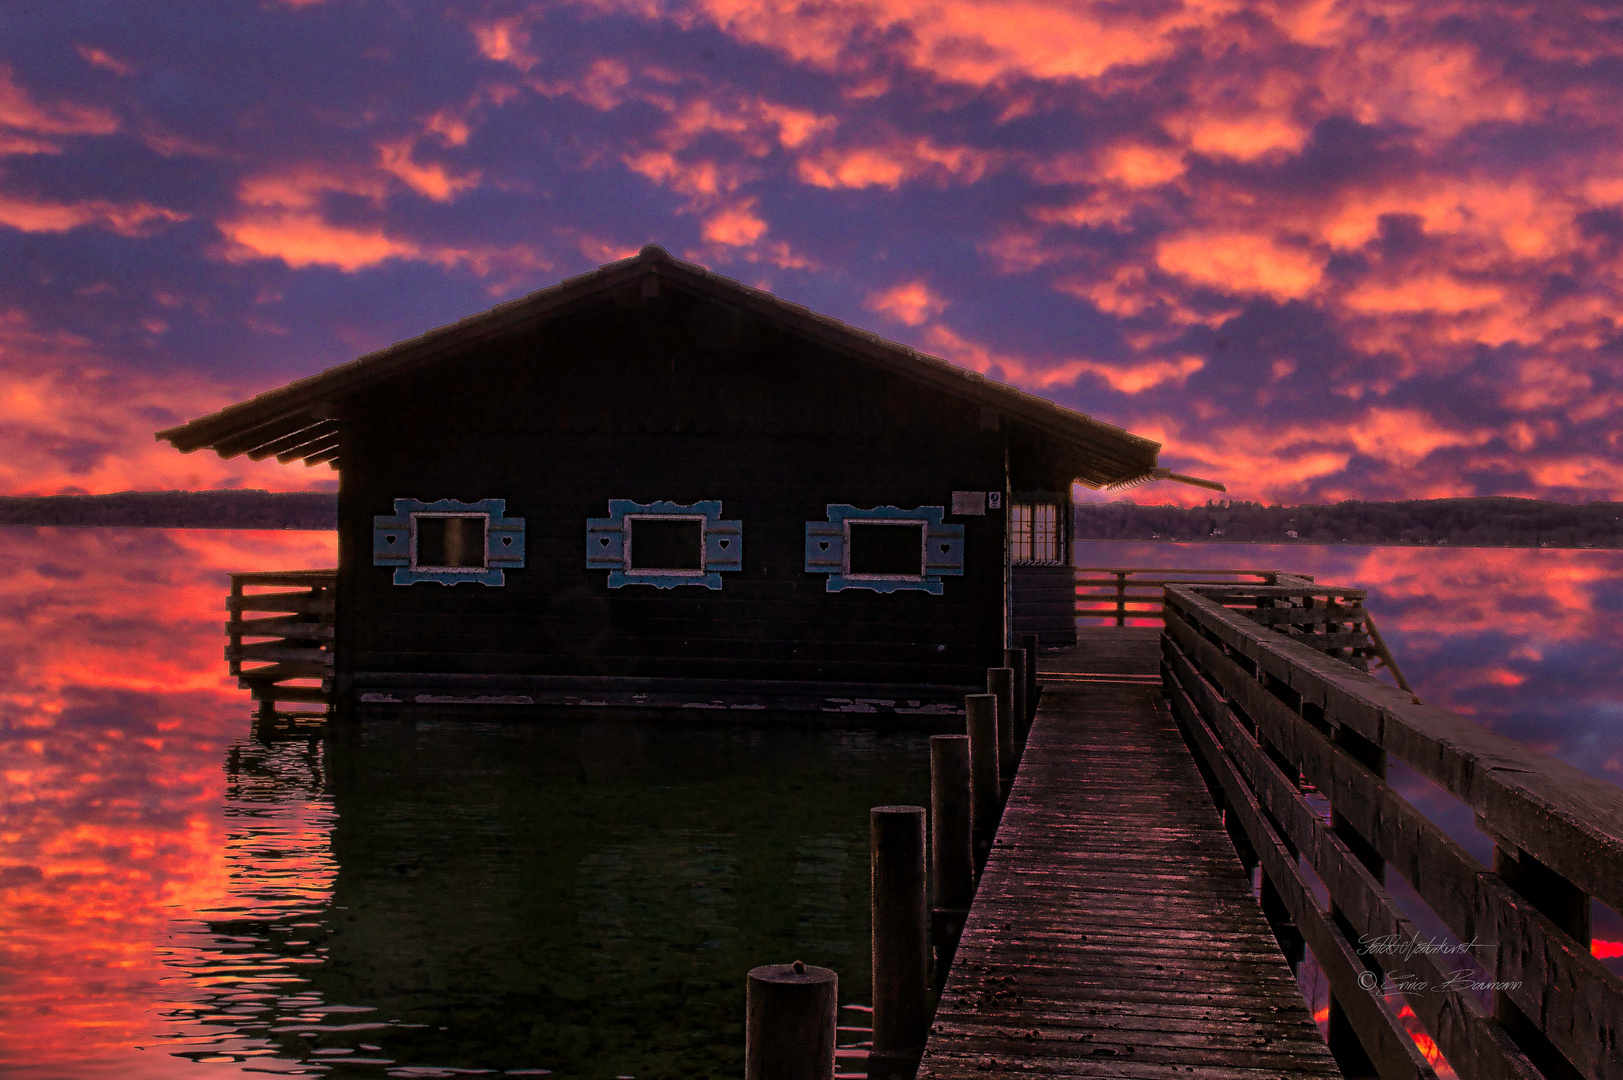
1113, 932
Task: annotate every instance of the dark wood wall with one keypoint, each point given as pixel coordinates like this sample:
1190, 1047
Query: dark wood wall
674, 399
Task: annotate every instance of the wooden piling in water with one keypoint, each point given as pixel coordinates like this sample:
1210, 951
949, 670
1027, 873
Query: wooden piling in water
1028, 642
1000, 683
789, 1023
901, 994
1015, 661
980, 717
952, 865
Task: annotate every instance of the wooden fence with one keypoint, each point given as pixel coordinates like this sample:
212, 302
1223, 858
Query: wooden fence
293, 628
1275, 715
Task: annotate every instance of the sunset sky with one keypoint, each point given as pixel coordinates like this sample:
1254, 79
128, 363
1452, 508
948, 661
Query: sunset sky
1320, 250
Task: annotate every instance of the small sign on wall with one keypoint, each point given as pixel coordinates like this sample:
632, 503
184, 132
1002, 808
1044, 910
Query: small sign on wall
994, 500
969, 503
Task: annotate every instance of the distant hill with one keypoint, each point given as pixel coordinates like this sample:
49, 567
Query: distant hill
177, 509
1481, 522
1484, 522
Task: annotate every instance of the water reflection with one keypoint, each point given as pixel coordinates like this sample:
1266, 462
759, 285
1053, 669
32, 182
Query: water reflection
579, 895
1523, 641
584, 895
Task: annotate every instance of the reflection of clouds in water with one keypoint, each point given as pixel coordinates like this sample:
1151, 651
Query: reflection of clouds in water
115, 714
242, 993
1521, 640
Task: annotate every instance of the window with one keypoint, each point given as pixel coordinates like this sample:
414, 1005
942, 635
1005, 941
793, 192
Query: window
885, 549
448, 542
1034, 533
664, 544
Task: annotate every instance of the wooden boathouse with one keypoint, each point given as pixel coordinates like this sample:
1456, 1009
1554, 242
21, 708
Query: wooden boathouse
652, 485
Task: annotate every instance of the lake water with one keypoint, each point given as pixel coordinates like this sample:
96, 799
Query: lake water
581, 895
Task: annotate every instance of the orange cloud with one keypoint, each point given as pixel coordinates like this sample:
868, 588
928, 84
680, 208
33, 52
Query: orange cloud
102, 59
1125, 378
1235, 261
44, 216
890, 165
505, 41
977, 42
19, 110
735, 226
433, 181
281, 218
911, 302
73, 421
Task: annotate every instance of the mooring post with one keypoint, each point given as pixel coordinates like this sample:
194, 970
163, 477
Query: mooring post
789, 1012
1028, 642
952, 865
901, 990
980, 718
1000, 683
1015, 660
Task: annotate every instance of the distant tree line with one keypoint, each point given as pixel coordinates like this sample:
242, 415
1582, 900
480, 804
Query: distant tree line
1478, 522
1482, 522
251, 509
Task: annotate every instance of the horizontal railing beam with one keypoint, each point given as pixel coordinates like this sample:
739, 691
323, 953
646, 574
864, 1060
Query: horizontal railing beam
1568, 820
1473, 1044
1384, 1038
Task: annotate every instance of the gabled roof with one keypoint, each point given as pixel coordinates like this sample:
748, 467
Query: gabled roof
301, 420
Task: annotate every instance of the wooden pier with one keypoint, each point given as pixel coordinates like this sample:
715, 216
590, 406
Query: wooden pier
1114, 932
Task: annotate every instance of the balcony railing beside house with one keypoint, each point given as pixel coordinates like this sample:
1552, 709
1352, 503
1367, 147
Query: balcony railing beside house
281, 623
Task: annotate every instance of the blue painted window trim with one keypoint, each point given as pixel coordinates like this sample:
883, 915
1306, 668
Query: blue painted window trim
394, 541
827, 549
608, 547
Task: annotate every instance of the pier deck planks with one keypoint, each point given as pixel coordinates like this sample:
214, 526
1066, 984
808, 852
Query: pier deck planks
1113, 932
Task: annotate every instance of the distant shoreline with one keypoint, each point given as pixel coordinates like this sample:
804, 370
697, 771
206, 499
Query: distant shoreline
1526, 524
231, 509
1351, 543
1484, 522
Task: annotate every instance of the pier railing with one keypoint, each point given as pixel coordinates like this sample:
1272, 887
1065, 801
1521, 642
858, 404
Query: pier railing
1280, 724
288, 615
1115, 594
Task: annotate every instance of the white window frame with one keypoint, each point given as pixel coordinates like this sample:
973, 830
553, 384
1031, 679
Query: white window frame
1027, 538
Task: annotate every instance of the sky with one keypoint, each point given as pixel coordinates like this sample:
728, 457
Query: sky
1319, 250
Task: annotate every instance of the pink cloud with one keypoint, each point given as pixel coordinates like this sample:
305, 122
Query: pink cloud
911, 302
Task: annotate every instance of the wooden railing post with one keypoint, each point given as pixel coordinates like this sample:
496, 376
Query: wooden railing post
1564, 904
901, 989
980, 718
789, 1012
952, 862
1121, 598
1345, 1045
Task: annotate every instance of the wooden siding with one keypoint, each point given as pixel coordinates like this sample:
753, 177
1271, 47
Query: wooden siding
667, 401
1045, 604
